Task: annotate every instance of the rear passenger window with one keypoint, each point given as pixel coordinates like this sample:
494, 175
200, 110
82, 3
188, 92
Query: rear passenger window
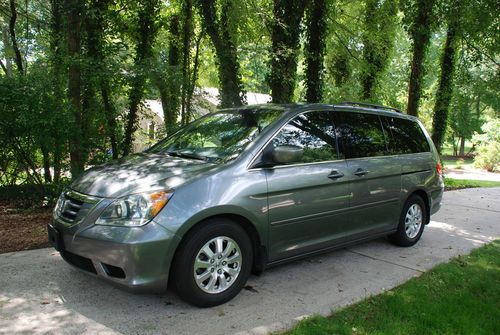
407, 136
361, 134
314, 133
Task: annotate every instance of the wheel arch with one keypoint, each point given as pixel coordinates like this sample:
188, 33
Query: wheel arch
425, 197
259, 250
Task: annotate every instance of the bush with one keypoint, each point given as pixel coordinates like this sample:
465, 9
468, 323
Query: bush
488, 146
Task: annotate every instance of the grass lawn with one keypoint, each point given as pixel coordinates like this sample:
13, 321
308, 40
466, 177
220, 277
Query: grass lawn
459, 297
456, 184
451, 162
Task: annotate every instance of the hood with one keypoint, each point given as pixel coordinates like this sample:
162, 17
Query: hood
138, 173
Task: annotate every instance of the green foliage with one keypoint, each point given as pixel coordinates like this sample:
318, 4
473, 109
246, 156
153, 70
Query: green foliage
457, 184
488, 146
80, 106
378, 42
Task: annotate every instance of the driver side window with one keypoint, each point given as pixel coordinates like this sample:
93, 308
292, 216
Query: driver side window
314, 132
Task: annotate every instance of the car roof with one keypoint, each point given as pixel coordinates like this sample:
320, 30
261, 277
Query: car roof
294, 108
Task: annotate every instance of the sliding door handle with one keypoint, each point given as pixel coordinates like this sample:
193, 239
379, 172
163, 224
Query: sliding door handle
335, 174
360, 172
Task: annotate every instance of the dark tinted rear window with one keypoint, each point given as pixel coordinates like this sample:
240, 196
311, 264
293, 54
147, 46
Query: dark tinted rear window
361, 134
405, 136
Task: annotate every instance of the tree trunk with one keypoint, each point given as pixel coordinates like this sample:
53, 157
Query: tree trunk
172, 90
46, 164
147, 31
187, 30
316, 15
445, 89
378, 42
462, 147
6, 49
95, 27
12, 29
420, 34
225, 49
74, 8
285, 33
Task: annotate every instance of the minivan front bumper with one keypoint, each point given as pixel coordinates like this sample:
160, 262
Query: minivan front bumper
135, 258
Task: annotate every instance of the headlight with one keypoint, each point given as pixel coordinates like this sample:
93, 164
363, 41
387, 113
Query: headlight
134, 210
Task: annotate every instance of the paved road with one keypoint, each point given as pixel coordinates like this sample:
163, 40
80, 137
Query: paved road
39, 293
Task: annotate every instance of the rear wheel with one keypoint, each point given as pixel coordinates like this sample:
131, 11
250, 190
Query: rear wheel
411, 222
213, 263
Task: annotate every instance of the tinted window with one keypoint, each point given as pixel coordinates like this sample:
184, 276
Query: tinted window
407, 136
361, 134
314, 132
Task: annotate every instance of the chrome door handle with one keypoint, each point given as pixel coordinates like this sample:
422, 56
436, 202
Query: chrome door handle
335, 174
360, 172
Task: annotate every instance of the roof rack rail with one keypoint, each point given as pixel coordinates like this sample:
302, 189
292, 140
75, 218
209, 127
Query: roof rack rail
363, 104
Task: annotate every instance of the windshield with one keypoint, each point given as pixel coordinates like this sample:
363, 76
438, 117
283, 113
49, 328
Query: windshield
219, 136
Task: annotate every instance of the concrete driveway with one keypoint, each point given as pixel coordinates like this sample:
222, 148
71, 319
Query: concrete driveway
39, 293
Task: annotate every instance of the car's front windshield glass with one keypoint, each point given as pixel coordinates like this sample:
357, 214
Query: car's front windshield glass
219, 136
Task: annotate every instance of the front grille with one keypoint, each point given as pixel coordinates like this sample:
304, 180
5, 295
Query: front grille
78, 261
71, 208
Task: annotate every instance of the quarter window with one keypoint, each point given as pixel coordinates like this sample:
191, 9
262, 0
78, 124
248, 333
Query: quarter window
407, 136
361, 134
314, 133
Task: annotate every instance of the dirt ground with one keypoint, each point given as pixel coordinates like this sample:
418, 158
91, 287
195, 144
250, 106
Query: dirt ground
21, 228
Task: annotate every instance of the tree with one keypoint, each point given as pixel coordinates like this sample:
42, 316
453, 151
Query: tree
378, 42
445, 88
285, 33
12, 29
73, 9
316, 16
146, 30
219, 29
420, 14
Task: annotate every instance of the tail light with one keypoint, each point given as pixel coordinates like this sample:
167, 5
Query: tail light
439, 169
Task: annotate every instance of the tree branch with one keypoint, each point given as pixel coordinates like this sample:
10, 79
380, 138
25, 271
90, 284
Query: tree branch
481, 52
12, 29
4, 68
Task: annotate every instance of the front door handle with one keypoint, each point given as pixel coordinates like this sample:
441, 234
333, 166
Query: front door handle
360, 172
335, 174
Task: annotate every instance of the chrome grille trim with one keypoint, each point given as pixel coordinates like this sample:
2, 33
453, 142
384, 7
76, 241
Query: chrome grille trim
75, 207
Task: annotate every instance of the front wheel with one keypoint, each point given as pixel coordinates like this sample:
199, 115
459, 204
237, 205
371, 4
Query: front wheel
411, 222
213, 264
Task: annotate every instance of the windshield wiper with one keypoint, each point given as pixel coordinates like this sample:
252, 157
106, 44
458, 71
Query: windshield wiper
186, 155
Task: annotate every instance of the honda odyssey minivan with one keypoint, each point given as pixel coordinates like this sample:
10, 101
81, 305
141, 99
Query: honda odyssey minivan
243, 189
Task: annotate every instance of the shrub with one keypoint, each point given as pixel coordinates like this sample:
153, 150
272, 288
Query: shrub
488, 146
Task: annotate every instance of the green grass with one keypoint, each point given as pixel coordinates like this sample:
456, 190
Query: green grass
459, 297
456, 162
456, 184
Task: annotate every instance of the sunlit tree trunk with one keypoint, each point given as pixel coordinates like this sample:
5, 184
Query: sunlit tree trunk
420, 33
285, 33
316, 16
445, 89
217, 27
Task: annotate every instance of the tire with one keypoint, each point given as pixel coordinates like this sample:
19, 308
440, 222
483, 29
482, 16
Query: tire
221, 275
411, 222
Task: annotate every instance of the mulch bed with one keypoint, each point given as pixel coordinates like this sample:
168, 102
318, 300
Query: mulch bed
23, 228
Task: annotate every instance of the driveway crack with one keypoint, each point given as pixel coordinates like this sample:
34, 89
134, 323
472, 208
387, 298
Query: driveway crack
385, 261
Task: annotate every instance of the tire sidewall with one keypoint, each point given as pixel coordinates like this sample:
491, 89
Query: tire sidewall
184, 264
402, 228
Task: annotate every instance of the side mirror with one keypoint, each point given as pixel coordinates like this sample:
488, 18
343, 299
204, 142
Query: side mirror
286, 154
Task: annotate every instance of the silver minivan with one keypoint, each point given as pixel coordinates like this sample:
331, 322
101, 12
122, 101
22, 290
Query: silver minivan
243, 189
